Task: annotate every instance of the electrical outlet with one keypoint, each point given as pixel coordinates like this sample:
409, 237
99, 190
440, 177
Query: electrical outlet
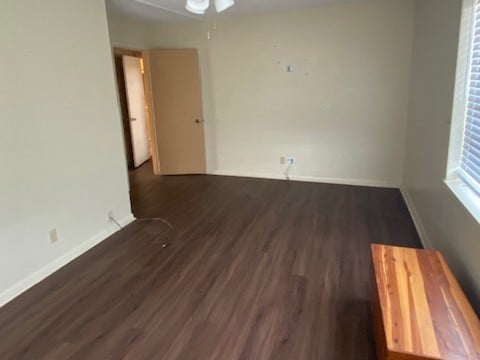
282, 160
289, 160
53, 236
110, 216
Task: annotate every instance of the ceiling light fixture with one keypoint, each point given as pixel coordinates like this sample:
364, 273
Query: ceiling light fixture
200, 6
197, 6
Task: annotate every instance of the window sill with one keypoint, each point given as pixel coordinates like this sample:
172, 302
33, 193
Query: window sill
466, 195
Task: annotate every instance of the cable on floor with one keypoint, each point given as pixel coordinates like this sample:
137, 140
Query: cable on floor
162, 220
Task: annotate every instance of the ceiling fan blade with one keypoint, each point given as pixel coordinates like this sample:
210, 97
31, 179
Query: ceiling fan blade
197, 6
154, 4
222, 5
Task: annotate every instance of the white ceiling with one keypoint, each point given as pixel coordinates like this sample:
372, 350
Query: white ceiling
168, 11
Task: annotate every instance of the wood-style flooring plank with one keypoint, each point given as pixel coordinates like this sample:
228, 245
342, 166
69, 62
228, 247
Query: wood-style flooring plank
252, 269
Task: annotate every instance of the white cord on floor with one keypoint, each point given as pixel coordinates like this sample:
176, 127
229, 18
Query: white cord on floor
115, 221
144, 219
287, 171
157, 219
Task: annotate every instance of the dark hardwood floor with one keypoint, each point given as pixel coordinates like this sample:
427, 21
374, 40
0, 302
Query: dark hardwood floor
252, 269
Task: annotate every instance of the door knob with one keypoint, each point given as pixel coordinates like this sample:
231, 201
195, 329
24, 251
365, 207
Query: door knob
133, 119
198, 121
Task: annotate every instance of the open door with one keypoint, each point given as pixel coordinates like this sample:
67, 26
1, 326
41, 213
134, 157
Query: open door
177, 105
136, 109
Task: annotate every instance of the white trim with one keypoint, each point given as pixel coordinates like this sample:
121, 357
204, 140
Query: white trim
58, 263
422, 233
468, 180
316, 179
466, 195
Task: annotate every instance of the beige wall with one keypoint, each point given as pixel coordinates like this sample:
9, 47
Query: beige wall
128, 32
341, 113
442, 220
61, 153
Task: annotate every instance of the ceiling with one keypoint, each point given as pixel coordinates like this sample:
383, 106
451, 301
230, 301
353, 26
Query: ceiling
168, 11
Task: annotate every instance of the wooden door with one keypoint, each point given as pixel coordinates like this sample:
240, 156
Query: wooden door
177, 105
122, 94
137, 109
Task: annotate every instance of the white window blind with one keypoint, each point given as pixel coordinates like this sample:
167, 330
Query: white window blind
470, 160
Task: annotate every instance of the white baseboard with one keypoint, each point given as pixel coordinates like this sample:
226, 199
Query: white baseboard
422, 233
63, 260
327, 180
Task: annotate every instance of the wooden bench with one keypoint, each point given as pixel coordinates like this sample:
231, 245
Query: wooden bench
419, 309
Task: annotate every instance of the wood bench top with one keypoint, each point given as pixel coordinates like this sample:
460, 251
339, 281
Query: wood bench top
424, 311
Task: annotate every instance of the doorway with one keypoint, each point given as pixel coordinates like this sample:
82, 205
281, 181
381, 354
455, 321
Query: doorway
134, 107
161, 105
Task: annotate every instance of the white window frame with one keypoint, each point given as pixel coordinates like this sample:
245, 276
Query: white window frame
455, 178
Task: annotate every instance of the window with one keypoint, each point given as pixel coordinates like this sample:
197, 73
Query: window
463, 170
470, 158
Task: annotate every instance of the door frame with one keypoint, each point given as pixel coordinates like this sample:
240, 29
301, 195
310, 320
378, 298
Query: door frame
143, 54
